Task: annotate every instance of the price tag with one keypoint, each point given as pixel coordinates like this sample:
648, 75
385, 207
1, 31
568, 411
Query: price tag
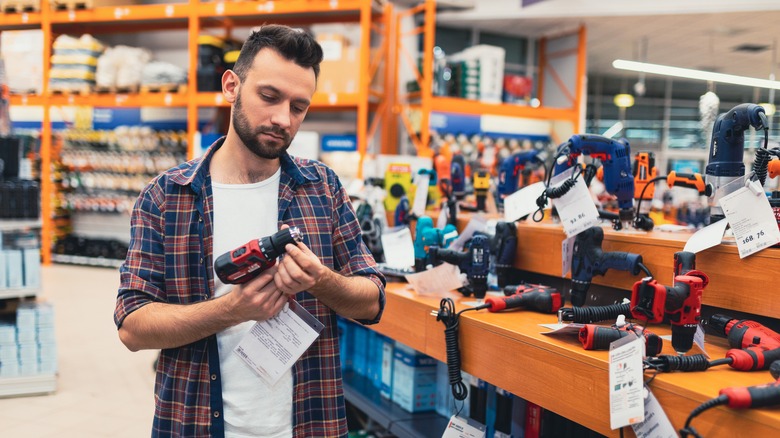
421, 194
707, 237
751, 218
463, 428
522, 202
476, 223
436, 281
398, 248
656, 424
626, 403
567, 250
576, 208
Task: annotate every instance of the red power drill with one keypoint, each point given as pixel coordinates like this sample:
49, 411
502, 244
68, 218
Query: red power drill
681, 303
248, 261
598, 337
540, 299
753, 346
737, 397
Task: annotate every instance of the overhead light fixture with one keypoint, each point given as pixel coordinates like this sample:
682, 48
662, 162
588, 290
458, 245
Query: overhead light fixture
688, 73
769, 108
623, 100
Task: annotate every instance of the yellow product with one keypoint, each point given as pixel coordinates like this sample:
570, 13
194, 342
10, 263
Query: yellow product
71, 73
74, 59
398, 182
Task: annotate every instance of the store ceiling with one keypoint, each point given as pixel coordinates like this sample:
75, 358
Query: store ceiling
691, 40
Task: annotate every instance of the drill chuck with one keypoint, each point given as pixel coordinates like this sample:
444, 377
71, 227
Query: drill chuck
682, 337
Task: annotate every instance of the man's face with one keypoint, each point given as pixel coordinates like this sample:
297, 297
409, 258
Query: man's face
271, 103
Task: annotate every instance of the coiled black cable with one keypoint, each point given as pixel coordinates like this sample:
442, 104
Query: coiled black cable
450, 318
555, 193
589, 315
760, 164
709, 404
696, 362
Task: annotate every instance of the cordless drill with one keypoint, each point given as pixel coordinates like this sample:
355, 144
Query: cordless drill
511, 170
474, 262
458, 176
615, 156
588, 260
426, 235
597, 337
539, 299
681, 303
753, 346
481, 186
737, 397
644, 170
727, 147
249, 260
504, 249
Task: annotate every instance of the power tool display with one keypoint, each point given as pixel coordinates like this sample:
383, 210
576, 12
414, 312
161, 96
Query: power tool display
644, 170
727, 147
474, 263
597, 337
615, 157
588, 260
516, 171
738, 397
504, 250
673, 179
426, 236
680, 303
539, 299
251, 259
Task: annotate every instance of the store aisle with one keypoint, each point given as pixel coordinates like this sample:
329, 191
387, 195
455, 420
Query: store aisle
103, 390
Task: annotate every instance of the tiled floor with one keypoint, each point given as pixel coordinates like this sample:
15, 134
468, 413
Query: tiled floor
103, 390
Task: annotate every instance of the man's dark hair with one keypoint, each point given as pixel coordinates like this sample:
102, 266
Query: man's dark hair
295, 45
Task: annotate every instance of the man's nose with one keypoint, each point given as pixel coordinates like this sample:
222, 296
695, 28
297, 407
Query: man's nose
281, 116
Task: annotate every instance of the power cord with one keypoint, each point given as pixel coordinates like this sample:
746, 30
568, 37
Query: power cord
709, 404
450, 318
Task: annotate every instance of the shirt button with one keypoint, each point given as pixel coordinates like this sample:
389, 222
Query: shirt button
201, 260
213, 377
216, 414
200, 218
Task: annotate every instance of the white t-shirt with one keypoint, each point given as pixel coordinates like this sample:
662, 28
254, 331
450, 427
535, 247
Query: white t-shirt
243, 212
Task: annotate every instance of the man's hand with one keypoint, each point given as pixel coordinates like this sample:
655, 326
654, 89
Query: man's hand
258, 299
299, 269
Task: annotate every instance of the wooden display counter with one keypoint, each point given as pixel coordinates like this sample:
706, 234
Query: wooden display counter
509, 351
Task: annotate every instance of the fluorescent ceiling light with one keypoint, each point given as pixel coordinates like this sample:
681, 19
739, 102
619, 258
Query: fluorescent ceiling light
694, 74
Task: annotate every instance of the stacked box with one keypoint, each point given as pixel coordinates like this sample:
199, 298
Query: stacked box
386, 379
23, 49
360, 345
74, 62
31, 258
345, 343
414, 379
444, 398
14, 268
26, 334
47, 344
340, 67
9, 352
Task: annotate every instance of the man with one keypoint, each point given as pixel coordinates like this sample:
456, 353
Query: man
170, 298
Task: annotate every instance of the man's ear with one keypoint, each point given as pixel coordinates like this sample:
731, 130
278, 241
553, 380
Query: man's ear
230, 85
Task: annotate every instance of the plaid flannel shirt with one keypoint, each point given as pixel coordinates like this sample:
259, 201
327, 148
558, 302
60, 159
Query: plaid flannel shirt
170, 261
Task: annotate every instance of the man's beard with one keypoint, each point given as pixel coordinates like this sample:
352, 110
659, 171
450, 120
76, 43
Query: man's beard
250, 136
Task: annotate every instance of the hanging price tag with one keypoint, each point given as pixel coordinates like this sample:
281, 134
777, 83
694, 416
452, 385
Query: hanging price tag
522, 202
567, 250
626, 404
656, 424
751, 219
576, 208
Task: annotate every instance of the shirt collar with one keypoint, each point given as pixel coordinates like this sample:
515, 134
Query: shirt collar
195, 174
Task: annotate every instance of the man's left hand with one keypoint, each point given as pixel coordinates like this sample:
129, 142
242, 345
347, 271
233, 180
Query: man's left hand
299, 269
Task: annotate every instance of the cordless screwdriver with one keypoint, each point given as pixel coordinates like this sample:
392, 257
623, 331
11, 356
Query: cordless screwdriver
597, 337
544, 300
249, 260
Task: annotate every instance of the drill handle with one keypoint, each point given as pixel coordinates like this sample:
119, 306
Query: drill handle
684, 262
753, 396
541, 300
456, 258
689, 180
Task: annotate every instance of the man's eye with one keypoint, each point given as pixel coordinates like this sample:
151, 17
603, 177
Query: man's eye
268, 97
298, 109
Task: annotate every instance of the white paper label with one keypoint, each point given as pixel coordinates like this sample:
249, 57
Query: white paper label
476, 223
522, 202
421, 194
273, 346
398, 248
576, 208
656, 424
436, 281
463, 428
626, 404
698, 339
567, 250
751, 218
562, 329
707, 237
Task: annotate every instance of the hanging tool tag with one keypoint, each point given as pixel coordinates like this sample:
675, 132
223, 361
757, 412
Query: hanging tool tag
398, 248
576, 208
656, 424
567, 249
626, 404
522, 202
460, 427
751, 219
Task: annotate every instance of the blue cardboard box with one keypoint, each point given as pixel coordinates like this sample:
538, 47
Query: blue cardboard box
414, 379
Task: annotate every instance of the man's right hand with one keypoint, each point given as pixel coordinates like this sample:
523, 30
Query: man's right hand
258, 299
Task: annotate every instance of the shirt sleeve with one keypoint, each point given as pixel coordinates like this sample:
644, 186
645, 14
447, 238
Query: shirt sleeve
142, 275
352, 256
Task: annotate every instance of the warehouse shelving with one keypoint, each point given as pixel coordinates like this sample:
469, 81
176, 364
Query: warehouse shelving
195, 16
425, 102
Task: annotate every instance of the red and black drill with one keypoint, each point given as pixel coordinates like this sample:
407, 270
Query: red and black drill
597, 337
538, 298
249, 260
680, 303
